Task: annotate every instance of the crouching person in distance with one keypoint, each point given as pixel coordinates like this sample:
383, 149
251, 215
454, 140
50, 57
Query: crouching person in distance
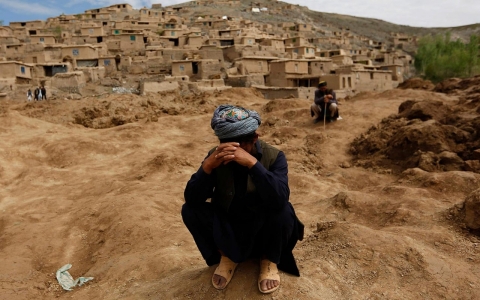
249, 215
325, 105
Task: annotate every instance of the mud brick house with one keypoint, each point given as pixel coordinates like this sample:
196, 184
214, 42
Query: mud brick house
397, 70
43, 70
301, 51
94, 31
200, 69
44, 39
272, 44
14, 72
303, 27
290, 73
6, 32
132, 43
14, 51
45, 54
360, 80
115, 8
254, 65
80, 55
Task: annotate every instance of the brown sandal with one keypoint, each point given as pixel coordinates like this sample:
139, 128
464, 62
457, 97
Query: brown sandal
268, 271
226, 268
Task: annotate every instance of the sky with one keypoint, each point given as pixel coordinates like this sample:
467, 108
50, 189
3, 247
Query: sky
416, 13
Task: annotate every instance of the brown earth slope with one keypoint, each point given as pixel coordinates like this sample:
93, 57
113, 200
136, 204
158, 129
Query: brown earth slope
108, 200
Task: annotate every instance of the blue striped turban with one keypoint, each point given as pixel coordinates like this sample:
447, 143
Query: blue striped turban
232, 121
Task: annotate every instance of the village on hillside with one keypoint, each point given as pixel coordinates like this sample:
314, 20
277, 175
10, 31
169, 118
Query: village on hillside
164, 46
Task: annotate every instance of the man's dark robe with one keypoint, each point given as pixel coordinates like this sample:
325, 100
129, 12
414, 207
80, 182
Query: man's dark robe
250, 215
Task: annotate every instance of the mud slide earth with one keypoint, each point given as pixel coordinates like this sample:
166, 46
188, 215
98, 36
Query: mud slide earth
389, 195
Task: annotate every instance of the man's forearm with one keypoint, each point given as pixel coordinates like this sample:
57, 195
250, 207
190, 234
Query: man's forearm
199, 187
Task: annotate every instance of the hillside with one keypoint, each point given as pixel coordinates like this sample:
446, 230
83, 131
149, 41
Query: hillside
375, 29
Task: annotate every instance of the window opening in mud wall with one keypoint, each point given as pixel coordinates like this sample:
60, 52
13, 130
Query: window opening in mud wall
260, 64
195, 68
371, 75
296, 67
343, 82
22, 70
349, 82
132, 38
182, 68
75, 52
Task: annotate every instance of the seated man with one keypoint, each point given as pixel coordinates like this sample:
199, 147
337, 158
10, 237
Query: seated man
249, 215
325, 101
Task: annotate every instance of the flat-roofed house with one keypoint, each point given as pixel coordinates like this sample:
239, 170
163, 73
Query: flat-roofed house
45, 69
6, 31
7, 36
298, 72
43, 39
30, 25
360, 80
285, 73
94, 32
80, 55
274, 44
132, 42
15, 51
301, 51
197, 69
254, 65
47, 54
303, 27
397, 72
15, 72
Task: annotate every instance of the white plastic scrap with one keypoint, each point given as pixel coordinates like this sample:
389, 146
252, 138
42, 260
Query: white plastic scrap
66, 280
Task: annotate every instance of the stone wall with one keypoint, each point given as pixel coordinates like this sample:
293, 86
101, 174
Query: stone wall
71, 82
278, 93
156, 87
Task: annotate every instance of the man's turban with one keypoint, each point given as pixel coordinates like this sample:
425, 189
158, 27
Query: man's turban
232, 121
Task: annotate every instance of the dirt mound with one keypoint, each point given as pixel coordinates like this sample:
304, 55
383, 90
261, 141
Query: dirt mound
425, 134
456, 84
114, 110
417, 84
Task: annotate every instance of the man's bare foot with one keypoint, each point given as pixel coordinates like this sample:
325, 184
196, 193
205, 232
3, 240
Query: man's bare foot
223, 273
269, 279
219, 282
268, 284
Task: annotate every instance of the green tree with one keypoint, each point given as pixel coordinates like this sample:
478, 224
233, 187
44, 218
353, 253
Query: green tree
439, 58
